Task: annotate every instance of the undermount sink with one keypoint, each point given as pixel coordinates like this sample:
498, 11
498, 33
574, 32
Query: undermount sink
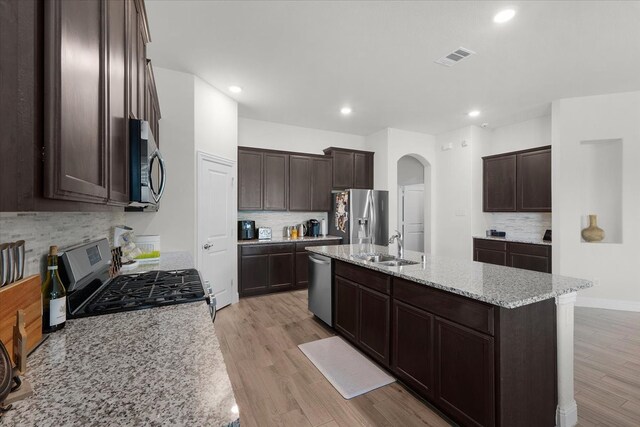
397, 263
377, 258
383, 259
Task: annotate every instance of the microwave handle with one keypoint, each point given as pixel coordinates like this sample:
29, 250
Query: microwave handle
163, 177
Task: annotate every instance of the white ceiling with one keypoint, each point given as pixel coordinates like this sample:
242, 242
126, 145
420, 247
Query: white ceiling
299, 62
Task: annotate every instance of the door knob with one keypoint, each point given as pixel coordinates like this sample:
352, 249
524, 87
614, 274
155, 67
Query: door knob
207, 246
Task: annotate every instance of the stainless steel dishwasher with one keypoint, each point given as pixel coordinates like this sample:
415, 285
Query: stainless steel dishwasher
320, 292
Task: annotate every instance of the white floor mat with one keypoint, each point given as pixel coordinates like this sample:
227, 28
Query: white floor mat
351, 373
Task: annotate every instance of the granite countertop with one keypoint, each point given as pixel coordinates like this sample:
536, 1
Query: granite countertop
502, 286
515, 240
287, 240
159, 366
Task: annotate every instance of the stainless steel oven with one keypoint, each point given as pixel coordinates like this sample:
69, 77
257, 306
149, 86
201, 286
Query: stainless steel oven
148, 172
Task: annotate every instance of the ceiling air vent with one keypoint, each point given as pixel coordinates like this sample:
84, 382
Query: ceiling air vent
454, 57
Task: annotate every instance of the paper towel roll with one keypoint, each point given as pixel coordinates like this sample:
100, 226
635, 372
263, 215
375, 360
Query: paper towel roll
323, 227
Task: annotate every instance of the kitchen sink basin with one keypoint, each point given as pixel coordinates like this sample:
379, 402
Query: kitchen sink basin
377, 258
397, 262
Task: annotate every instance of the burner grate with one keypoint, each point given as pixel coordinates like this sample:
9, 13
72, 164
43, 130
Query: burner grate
145, 290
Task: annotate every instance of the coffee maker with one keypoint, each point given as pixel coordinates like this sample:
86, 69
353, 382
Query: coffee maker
246, 230
313, 228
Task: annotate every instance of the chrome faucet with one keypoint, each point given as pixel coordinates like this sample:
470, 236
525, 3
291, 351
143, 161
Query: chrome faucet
398, 238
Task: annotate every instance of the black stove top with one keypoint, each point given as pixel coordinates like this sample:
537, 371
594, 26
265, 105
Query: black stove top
144, 290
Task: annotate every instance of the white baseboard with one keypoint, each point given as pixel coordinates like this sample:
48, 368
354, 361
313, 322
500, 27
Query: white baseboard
610, 304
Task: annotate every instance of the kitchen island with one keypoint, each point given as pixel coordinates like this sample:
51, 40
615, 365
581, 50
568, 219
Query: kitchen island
158, 366
488, 345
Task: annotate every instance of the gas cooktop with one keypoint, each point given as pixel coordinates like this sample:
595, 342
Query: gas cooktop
145, 290
92, 292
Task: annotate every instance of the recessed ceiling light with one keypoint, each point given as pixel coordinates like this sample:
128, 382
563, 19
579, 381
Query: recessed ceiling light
235, 89
345, 111
504, 16
474, 113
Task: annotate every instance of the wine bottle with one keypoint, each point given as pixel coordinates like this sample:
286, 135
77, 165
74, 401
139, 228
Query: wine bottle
54, 296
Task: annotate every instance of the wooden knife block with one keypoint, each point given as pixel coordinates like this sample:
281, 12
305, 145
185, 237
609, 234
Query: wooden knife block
22, 295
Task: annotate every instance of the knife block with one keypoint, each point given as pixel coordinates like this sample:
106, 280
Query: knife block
22, 295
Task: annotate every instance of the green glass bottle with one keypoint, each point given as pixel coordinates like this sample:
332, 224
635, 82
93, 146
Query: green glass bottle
54, 296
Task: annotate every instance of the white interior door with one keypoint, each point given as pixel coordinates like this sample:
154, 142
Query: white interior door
216, 238
412, 216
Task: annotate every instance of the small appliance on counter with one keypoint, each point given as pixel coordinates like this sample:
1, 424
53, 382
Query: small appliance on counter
496, 233
246, 229
264, 233
547, 236
313, 227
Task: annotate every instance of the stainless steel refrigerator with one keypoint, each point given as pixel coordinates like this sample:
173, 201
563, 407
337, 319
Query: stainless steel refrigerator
360, 216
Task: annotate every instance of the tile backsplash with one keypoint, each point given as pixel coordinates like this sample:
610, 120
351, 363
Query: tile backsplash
519, 225
43, 229
278, 220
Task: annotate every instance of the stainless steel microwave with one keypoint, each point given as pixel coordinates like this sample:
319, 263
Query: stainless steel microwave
148, 172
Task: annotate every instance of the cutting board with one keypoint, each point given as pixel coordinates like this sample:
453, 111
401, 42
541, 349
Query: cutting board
22, 295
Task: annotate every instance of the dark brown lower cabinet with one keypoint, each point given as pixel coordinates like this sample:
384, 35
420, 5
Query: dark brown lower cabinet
274, 267
480, 364
374, 323
281, 273
465, 373
413, 347
346, 308
254, 271
527, 256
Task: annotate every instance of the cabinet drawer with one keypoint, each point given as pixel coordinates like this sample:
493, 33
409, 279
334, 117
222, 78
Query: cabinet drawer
529, 249
494, 245
371, 279
267, 248
458, 309
301, 245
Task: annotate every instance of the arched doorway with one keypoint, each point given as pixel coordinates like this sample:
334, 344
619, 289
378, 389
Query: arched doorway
414, 202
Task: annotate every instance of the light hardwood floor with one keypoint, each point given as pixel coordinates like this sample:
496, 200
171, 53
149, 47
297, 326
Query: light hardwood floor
276, 385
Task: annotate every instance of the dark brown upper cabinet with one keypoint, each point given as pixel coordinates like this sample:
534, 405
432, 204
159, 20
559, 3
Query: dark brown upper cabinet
72, 102
75, 110
152, 103
499, 184
300, 183
321, 184
280, 180
519, 181
276, 185
351, 168
250, 180
534, 181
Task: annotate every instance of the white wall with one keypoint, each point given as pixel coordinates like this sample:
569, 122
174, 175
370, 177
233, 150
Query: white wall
613, 266
410, 171
195, 117
175, 222
277, 136
378, 143
453, 194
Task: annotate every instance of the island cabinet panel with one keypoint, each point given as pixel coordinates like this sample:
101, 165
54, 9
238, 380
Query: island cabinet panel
534, 181
250, 178
346, 308
276, 182
413, 347
300, 184
465, 380
374, 323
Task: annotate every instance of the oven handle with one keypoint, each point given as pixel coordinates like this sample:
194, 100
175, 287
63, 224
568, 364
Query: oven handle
211, 301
